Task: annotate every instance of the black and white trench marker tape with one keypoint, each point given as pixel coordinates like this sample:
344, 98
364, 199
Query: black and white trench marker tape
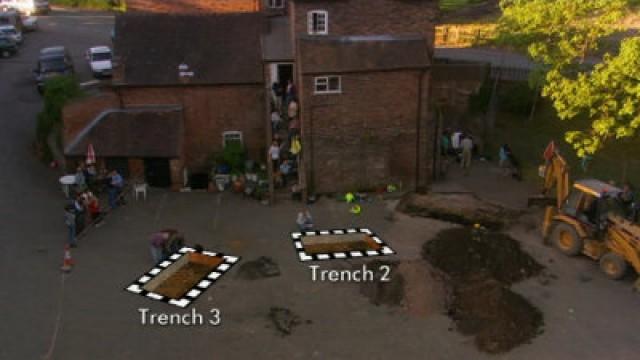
137, 287
303, 256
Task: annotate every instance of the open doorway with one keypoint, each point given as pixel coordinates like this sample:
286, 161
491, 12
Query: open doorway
157, 172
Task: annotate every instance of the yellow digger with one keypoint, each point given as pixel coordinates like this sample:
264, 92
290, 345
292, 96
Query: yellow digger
589, 219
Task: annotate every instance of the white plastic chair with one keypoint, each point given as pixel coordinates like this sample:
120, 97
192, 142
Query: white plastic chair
140, 189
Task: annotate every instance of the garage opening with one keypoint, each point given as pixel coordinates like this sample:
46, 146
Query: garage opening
157, 172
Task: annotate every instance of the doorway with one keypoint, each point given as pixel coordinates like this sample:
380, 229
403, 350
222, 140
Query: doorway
157, 172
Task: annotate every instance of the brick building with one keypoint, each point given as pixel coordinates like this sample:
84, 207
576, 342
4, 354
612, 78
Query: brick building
362, 69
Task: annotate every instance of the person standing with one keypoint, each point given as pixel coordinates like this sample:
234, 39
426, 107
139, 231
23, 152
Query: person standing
79, 211
456, 138
158, 244
503, 156
291, 91
70, 221
292, 110
276, 91
274, 155
93, 207
276, 120
304, 220
116, 183
467, 150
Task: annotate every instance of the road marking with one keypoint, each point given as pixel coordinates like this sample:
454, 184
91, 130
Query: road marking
56, 328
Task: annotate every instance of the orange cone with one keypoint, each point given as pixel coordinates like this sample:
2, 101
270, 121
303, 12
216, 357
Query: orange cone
67, 261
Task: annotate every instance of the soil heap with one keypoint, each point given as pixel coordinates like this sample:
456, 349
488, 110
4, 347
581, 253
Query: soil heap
481, 266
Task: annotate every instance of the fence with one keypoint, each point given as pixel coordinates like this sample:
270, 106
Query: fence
449, 35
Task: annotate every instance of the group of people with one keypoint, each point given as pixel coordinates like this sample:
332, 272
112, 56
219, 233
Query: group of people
460, 145
284, 149
84, 206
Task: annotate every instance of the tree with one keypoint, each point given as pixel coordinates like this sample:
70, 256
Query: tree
560, 35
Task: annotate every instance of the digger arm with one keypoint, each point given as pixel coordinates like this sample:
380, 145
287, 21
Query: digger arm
557, 174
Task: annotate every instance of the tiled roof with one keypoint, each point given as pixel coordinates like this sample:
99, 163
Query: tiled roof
141, 132
217, 49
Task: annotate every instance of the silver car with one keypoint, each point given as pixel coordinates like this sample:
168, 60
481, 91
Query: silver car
12, 33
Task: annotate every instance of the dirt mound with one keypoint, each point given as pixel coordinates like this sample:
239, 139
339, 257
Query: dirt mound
499, 318
285, 320
481, 267
461, 252
460, 208
263, 267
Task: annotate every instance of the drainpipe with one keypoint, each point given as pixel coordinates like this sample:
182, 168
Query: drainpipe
418, 127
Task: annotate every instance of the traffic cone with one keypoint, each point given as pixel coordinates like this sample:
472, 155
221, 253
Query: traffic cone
67, 261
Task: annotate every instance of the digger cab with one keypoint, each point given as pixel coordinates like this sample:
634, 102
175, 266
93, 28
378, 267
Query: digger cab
591, 202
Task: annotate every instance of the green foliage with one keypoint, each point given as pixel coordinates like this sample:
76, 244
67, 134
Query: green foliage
559, 32
609, 95
57, 92
560, 35
234, 155
93, 4
450, 5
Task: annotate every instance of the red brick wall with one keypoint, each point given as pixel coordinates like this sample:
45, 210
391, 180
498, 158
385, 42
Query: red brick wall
76, 115
193, 6
208, 112
367, 136
370, 17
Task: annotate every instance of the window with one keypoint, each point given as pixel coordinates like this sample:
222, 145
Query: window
276, 4
318, 22
229, 137
327, 85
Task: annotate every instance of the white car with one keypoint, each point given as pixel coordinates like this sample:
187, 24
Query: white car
12, 33
99, 58
29, 23
27, 7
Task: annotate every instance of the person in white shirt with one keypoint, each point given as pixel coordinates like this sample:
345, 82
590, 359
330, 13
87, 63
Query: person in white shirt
276, 120
274, 155
455, 140
467, 150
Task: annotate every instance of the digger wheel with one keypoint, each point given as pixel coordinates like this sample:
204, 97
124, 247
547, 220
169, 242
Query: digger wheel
613, 265
565, 238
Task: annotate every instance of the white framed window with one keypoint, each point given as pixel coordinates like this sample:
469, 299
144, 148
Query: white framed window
318, 22
231, 137
327, 84
275, 4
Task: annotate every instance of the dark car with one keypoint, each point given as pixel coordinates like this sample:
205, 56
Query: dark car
8, 47
53, 61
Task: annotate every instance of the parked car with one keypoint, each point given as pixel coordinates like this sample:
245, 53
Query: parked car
99, 58
11, 17
29, 23
11, 32
8, 47
53, 61
26, 7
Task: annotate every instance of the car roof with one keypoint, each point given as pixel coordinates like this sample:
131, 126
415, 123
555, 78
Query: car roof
99, 49
52, 51
596, 187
